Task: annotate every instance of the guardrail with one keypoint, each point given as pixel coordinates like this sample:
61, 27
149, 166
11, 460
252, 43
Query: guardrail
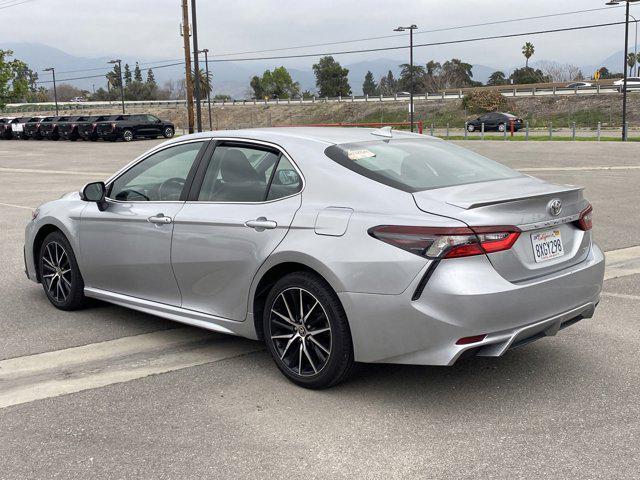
444, 95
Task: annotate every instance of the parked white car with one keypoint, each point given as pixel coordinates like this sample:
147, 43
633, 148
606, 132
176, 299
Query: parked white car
632, 83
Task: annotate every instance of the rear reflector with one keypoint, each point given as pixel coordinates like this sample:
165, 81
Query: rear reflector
585, 222
443, 242
469, 340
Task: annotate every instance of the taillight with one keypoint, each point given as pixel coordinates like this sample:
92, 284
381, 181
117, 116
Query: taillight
442, 242
585, 222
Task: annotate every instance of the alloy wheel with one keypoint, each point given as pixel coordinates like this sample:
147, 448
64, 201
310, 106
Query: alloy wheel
56, 272
300, 332
127, 135
168, 132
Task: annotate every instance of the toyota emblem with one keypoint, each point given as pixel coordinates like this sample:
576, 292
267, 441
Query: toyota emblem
555, 207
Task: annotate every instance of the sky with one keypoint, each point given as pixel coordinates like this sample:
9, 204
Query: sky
149, 29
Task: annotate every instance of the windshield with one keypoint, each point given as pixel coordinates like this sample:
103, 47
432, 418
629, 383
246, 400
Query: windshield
413, 165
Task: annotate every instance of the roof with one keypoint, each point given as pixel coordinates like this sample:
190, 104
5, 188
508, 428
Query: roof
326, 135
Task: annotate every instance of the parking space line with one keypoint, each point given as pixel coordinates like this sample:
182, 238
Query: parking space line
16, 206
621, 295
578, 169
622, 262
61, 372
54, 172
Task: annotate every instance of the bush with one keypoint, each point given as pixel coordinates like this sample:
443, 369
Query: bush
483, 101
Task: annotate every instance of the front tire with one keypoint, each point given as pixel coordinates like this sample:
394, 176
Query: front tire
470, 128
501, 127
306, 331
127, 135
61, 279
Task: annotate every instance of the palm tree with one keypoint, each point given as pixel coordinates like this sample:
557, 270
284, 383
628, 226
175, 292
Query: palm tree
205, 83
631, 62
528, 50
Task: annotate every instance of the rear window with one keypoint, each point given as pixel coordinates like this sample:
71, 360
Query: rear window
413, 165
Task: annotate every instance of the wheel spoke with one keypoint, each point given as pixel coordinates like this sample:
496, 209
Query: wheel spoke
282, 337
283, 325
66, 281
319, 345
283, 317
304, 349
284, 299
304, 319
318, 332
301, 306
300, 359
284, 352
48, 263
49, 275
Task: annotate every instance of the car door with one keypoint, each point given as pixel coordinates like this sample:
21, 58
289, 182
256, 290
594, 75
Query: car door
154, 125
127, 247
241, 206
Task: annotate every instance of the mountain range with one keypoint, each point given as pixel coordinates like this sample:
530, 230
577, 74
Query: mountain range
230, 78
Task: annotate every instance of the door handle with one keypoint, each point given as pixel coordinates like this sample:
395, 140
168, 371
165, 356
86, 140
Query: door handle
260, 224
159, 219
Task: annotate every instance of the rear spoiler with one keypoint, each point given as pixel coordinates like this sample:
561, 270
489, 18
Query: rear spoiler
470, 204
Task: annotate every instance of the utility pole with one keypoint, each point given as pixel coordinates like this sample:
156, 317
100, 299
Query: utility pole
206, 67
55, 93
119, 62
187, 63
411, 28
196, 66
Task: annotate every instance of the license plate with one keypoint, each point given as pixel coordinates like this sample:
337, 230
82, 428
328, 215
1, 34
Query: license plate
547, 245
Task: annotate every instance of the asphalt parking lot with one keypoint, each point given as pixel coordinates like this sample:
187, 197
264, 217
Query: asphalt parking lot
113, 393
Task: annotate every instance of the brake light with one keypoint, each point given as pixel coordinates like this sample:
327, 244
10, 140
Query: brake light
585, 222
443, 242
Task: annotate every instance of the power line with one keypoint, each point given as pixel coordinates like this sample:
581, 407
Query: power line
345, 52
401, 47
443, 29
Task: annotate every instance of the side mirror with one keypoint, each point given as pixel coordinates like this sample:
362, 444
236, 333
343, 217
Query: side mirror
95, 192
158, 120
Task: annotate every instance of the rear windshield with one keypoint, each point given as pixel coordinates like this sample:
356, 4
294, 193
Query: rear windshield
413, 165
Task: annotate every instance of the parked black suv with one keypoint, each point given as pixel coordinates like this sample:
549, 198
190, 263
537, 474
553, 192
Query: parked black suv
128, 127
495, 121
68, 130
33, 128
51, 130
87, 130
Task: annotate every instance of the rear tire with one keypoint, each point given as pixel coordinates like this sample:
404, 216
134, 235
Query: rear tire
168, 132
501, 127
311, 344
61, 279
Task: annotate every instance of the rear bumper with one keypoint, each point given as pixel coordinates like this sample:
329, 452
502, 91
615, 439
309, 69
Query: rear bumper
466, 297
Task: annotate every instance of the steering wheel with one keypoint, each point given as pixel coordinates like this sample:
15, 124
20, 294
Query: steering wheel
175, 183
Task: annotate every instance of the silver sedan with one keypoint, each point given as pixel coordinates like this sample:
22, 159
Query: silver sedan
332, 245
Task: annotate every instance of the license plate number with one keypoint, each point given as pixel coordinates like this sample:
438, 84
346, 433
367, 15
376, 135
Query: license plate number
547, 245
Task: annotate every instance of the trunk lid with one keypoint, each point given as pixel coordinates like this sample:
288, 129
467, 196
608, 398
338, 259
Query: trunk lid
523, 202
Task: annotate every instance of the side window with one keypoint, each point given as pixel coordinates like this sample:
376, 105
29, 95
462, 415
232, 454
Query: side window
237, 174
151, 118
159, 177
285, 182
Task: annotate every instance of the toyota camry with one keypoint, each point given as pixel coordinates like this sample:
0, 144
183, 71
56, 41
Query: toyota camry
331, 245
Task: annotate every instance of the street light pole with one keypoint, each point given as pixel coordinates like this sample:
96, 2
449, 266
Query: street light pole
196, 66
625, 69
55, 93
411, 28
206, 67
119, 62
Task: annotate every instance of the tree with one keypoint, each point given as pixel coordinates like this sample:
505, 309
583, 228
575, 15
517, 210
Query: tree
127, 75
222, 98
560, 72
458, 74
331, 78
113, 77
274, 84
151, 79
404, 82
137, 73
637, 63
631, 62
388, 85
528, 75
369, 86
205, 83
433, 79
16, 79
528, 50
497, 78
